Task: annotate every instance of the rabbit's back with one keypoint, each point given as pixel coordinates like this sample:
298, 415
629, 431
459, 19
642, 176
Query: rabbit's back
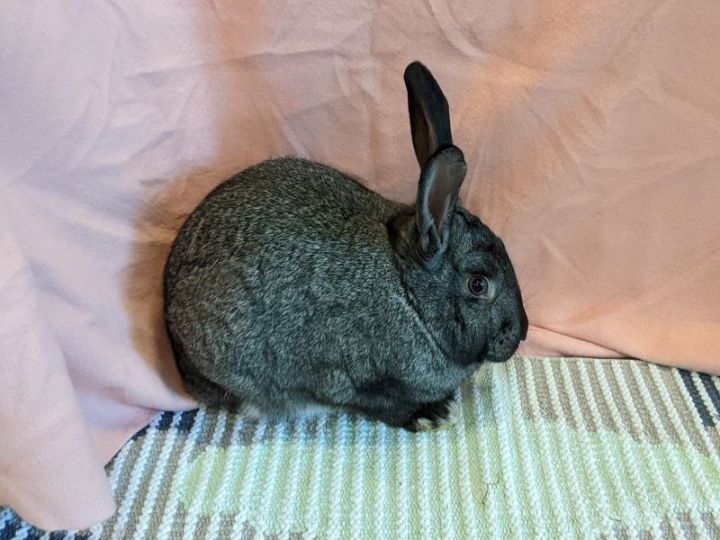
287, 215
267, 199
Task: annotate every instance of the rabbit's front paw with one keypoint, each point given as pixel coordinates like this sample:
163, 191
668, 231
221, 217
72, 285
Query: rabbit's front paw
433, 416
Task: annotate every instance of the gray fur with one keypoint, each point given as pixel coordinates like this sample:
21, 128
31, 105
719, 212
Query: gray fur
292, 285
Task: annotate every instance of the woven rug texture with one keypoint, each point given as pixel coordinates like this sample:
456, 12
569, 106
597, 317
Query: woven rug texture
542, 448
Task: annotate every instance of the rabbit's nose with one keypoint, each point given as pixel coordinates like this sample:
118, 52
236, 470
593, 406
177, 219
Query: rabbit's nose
523, 324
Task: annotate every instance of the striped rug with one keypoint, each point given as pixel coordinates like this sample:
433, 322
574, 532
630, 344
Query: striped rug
573, 448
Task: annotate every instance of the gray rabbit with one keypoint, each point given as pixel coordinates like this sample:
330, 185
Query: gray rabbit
291, 286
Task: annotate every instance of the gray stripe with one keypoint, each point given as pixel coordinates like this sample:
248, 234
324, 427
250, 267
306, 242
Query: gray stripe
621, 532
688, 527
594, 373
201, 527
543, 391
521, 372
562, 390
138, 498
247, 532
638, 387
204, 438
711, 524
226, 440
165, 481
121, 489
625, 410
577, 389
655, 394
226, 525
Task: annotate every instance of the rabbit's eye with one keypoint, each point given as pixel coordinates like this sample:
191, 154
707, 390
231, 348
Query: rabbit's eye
478, 285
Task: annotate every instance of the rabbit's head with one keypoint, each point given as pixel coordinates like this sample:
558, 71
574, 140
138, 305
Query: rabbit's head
456, 271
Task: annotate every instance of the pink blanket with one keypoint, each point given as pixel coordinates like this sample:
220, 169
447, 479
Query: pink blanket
591, 131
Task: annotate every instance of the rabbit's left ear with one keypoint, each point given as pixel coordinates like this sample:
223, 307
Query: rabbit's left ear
437, 197
429, 112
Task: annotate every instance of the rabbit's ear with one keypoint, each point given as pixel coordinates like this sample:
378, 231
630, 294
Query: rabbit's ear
440, 182
429, 115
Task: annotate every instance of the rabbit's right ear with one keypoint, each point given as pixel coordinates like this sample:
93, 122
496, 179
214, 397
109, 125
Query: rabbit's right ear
429, 114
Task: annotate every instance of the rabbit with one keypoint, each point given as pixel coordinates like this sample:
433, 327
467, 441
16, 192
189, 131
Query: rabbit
292, 286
